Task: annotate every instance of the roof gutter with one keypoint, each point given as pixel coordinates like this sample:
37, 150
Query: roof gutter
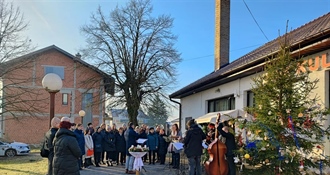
180, 110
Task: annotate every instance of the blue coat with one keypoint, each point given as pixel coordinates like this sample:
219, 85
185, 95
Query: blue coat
132, 136
120, 143
81, 140
162, 147
152, 141
97, 140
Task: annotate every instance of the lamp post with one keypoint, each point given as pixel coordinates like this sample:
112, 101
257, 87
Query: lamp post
53, 84
82, 114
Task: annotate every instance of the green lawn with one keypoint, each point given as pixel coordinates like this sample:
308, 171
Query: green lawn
21, 165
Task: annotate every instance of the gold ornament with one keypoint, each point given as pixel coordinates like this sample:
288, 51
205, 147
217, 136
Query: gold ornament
247, 156
266, 161
300, 115
265, 138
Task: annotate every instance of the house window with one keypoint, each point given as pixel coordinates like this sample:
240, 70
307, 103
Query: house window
221, 104
59, 70
64, 99
250, 99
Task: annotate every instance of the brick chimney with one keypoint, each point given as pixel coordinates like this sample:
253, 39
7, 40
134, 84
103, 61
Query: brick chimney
222, 30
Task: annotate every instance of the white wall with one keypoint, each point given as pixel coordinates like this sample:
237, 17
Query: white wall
196, 105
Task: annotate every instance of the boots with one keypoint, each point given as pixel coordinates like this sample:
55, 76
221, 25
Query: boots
109, 163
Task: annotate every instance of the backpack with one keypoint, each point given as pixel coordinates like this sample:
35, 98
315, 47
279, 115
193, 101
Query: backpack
44, 152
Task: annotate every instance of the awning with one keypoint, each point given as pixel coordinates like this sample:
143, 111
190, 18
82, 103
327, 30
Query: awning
225, 115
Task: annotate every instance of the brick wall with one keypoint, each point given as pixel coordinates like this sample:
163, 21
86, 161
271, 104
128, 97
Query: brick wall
28, 95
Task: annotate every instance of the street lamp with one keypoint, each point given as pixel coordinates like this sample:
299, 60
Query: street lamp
82, 114
53, 84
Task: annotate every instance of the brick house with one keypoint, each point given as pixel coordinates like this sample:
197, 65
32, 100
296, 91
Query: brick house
24, 105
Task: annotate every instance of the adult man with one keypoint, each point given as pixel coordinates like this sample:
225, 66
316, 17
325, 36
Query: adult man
193, 147
49, 137
81, 142
131, 140
230, 144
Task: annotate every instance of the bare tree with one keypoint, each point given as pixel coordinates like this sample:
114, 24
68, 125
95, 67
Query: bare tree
137, 49
12, 24
14, 98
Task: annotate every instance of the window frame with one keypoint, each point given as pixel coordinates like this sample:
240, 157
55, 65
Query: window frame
67, 99
248, 100
55, 72
230, 103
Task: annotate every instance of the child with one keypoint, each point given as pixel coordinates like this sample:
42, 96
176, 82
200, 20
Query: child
152, 143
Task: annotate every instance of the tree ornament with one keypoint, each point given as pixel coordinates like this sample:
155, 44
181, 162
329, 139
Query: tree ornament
313, 136
281, 121
265, 138
263, 149
300, 115
236, 159
298, 124
248, 133
301, 167
269, 112
286, 161
288, 111
266, 161
308, 122
247, 156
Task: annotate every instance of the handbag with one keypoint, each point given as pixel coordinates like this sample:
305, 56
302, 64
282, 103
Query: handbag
44, 152
90, 152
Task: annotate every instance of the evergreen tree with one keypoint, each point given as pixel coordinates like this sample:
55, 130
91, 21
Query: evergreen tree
288, 120
157, 112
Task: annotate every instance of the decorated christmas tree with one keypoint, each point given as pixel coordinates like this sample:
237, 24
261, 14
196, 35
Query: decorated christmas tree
287, 135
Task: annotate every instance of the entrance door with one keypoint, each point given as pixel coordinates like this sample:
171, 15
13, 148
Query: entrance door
87, 104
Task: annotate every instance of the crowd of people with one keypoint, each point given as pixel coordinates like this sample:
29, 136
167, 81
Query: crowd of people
73, 148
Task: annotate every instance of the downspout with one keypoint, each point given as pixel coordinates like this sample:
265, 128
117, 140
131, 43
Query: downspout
180, 110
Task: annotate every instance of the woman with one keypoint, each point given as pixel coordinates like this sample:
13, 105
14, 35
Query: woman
66, 151
143, 135
89, 145
162, 149
97, 140
110, 146
152, 144
176, 136
120, 146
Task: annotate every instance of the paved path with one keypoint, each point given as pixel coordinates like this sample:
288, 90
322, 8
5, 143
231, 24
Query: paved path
156, 169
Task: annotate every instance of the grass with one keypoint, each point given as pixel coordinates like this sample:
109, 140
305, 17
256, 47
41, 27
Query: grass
32, 164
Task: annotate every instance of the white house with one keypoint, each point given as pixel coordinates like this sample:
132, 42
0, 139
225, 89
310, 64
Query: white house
229, 87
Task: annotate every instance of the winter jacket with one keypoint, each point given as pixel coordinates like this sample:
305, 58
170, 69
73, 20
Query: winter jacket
120, 143
66, 153
152, 141
230, 140
103, 133
193, 141
97, 140
132, 137
142, 135
81, 140
110, 141
49, 138
162, 144
88, 144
